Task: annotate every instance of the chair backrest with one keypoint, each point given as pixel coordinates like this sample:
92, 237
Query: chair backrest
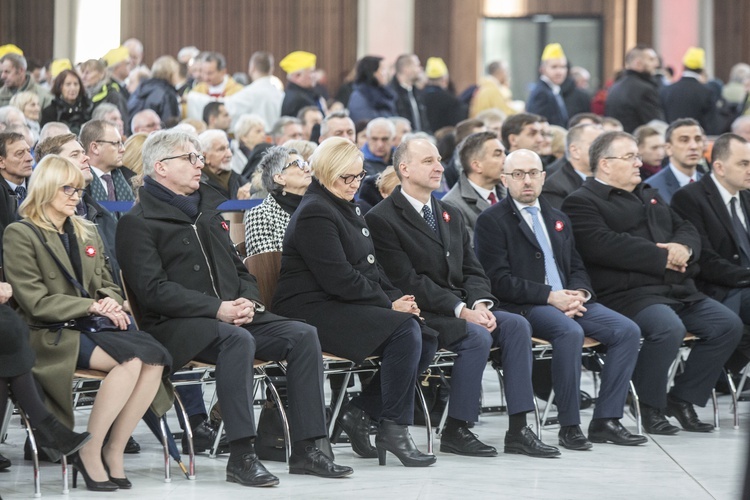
266, 267
130, 297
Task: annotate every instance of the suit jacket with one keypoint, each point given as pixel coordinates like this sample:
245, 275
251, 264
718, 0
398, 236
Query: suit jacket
720, 261
331, 278
296, 98
443, 108
634, 100
469, 202
689, 98
8, 209
560, 184
123, 189
180, 271
666, 183
439, 270
542, 101
512, 258
616, 234
404, 109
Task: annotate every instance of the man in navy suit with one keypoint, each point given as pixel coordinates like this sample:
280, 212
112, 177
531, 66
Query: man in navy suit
719, 207
425, 250
528, 252
545, 98
684, 146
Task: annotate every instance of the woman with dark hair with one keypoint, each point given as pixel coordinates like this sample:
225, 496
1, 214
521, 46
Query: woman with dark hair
71, 105
55, 262
371, 97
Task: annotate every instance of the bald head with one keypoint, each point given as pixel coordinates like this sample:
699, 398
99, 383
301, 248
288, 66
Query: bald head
523, 175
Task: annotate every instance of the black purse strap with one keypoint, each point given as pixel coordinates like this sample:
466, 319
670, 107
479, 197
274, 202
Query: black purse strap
65, 272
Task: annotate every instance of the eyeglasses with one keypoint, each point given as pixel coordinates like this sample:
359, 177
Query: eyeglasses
348, 179
191, 157
630, 157
117, 144
519, 175
299, 163
70, 191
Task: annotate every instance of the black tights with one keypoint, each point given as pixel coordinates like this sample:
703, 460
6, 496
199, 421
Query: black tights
26, 395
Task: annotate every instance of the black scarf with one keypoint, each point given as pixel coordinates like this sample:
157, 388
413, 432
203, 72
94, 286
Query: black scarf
70, 242
288, 201
186, 204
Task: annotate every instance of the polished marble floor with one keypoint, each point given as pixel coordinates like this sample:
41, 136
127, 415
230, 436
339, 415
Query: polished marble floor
686, 466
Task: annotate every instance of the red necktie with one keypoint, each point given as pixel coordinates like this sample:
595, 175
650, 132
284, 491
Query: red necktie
691, 180
492, 198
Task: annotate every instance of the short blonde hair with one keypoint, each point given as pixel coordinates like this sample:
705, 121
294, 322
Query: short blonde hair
133, 157
246, 122
21, 99
387, 181
332, 158
51, 174
304, 148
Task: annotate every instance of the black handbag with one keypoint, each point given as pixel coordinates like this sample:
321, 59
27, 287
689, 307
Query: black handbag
269, 442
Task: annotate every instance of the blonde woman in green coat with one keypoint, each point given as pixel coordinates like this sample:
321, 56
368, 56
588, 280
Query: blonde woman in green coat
41, 264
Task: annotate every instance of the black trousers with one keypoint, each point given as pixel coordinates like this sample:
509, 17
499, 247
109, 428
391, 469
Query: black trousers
233, 353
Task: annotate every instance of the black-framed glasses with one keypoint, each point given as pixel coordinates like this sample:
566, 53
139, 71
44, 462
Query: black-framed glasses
70, 191
519, 175
348, 179
117, 144
191, 157
299, 163
630, 157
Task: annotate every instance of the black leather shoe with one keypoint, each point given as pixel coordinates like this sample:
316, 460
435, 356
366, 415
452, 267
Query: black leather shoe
685, 414
356, 424
132, 446
248, 471
610, 430
316, 463
462, 441
655, 422
204, 436
4, 463
395, 438
527, 443
572, 438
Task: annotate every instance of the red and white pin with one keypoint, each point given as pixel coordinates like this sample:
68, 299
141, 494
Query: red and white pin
559, 226
225, 225
653, 201
90, 251
446, 217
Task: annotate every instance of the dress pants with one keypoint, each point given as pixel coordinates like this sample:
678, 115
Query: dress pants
404, 355
513, 336
663, 329
619, 334
233, 353
738, 300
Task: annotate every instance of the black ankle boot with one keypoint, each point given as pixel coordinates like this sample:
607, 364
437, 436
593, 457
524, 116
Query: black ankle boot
395, 438
50, 433
356, 423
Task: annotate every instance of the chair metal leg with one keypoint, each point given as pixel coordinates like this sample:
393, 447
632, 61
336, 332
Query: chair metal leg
548, 406
745, 373
6, 421
734, 394
443, 418
426, 418
213, 452
537, 420
339, 403
282, 414
64, 464
637, 406
34, 454
190, 472
163, 429
716, 408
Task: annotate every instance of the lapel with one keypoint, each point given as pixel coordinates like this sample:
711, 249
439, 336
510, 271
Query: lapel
443, 225
671, 179
717, 205
471, 197
123, 192
88, 264
413, 217
555, 236
522, 225
96, 188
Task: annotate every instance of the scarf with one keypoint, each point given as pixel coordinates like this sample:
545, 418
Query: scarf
288, 201
186, 204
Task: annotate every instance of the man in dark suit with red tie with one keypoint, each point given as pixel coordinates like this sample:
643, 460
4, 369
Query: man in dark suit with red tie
425, 250
528, 252
718, 205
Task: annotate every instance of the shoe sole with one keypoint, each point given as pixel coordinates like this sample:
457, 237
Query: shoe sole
670, 432
232, 479
310, 473
516, 451
628, 443
449, 449
708, 429
576, 448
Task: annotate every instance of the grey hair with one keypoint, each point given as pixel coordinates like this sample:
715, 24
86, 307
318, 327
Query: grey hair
246, 122
344, 113
162, 144
102, 109
7, 110
273, 162
278, 127
17, 60
375, 122
208, 137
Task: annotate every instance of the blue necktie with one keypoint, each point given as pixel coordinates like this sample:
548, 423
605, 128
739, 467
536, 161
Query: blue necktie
563, 108
429, 217
20, 194
550, 268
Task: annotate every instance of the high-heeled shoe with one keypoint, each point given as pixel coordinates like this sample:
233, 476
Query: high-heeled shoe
77, 463
122, 482
395, 438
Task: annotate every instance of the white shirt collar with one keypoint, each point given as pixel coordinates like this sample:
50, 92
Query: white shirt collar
521, 206
691, 74
726, 196
484, 193
418, 205
555, 88
683, 179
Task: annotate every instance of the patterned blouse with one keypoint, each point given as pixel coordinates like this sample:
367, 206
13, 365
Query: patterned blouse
265, 226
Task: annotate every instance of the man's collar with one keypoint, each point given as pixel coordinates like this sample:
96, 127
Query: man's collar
484, 193
726, 196
555, 88
682, 178
521, 206
418, 205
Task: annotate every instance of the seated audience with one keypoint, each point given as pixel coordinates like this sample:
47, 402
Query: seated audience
29, 104
158, 93
70, 105
217, 159
651, 149
249, 131
371, 97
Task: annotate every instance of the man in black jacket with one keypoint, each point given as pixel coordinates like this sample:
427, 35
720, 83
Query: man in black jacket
300, 88
642, 258
718, 205
409, 102
634, 98
425, 250
197, 298
15, 169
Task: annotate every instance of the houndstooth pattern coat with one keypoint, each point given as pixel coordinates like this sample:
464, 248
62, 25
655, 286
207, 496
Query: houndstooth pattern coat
265, 226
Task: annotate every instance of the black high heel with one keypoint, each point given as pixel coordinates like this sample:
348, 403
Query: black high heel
122, 482
77, 463
395, 438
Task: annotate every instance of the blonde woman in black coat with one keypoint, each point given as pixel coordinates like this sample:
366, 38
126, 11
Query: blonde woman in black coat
331, 278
